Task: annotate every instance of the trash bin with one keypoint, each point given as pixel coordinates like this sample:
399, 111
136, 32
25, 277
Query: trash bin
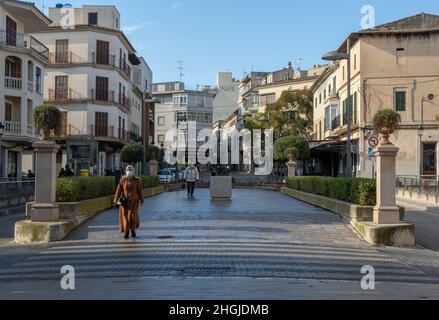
84, 173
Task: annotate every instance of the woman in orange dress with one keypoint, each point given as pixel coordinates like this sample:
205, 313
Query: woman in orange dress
131, 187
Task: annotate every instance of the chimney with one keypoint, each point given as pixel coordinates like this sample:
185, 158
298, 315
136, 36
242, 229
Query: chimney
290, 65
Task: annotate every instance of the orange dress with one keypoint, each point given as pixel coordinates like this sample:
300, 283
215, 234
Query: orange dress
129, 213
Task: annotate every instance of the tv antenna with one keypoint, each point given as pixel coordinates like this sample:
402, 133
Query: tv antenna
181, 68
299, 63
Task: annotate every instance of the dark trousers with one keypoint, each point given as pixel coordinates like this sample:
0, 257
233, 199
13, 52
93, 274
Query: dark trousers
190, 187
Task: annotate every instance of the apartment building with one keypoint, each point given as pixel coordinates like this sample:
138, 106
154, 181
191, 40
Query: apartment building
195, 103
394, 65
226, 99
248, 99
21, 83
276, 83
98, 82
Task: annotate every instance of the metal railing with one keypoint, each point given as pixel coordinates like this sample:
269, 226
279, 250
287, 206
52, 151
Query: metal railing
20, 40
424, 184
15, 193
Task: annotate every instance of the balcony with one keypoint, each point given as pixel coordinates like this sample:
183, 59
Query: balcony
12, 128
23, 41
69, 95
126, 69
13, 83
66, 58
103, 60
110, 133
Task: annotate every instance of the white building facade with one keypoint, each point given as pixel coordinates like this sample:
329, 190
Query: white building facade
93, 77
23, 60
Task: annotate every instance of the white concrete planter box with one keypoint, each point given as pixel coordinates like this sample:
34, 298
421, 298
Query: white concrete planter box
221, 188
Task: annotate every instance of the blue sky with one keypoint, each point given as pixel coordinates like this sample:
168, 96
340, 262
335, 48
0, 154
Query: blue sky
238, 35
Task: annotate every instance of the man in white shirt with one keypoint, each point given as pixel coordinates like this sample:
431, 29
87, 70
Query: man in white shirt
191, 175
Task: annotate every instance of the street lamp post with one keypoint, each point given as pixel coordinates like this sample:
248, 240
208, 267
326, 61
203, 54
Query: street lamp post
337, 56
2, 128
181, 116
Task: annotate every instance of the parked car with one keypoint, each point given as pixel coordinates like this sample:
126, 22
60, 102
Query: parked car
180, 173
166, 176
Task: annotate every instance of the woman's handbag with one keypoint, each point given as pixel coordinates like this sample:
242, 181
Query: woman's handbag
122, 200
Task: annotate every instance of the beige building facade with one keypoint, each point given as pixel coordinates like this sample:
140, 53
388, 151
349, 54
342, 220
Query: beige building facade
395, 65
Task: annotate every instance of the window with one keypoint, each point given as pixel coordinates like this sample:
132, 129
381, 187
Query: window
161, 138
316, 103
400, 100
355, 61
267, 99
101, 89
324, 94
102, 52
344, 76
38, 82
11, 32
61, 88
161, 121
320, 98
8, 111
64, 123
93, 18
62, 51
101, 124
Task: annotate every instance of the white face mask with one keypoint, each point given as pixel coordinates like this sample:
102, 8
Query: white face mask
130, 174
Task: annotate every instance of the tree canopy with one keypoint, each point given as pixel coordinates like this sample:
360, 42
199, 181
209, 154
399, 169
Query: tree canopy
292, 114
282, 145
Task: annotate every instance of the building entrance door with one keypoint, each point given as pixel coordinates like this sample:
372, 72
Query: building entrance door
429, 159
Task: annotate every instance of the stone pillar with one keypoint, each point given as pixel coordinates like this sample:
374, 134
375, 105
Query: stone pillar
153, 168
386, 211
45, 208
292, 168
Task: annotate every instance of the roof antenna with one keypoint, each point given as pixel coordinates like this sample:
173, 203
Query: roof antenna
299, 63
181, 68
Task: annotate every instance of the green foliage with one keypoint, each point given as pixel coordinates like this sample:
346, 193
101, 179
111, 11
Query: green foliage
132, 153
386, 121
47, 120
292, 114
84, 188
282, 145
152, 153
354, 190
150, 182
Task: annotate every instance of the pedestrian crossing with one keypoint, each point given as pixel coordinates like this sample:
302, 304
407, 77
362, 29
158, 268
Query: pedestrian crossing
213, 258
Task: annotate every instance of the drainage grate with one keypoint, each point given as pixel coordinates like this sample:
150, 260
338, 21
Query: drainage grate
205, 271
165, 237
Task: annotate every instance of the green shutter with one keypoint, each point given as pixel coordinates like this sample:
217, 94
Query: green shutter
400, 100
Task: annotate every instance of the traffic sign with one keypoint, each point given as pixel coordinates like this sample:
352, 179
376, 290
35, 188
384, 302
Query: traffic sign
373, 141
371, 153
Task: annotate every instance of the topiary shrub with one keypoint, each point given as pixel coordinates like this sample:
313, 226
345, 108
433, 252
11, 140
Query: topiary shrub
132, 153
47, 121
152, 153
386, 122
282, 145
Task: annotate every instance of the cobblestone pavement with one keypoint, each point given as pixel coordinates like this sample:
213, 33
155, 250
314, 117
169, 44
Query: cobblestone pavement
187, 244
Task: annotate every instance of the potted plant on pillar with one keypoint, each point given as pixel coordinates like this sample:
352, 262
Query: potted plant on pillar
47, 121
386, 122
293, 155
153, 154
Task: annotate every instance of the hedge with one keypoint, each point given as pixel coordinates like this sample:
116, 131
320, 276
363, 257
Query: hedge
358, 191
84, 188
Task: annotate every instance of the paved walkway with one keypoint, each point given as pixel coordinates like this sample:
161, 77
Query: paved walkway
426, 220
260, 245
